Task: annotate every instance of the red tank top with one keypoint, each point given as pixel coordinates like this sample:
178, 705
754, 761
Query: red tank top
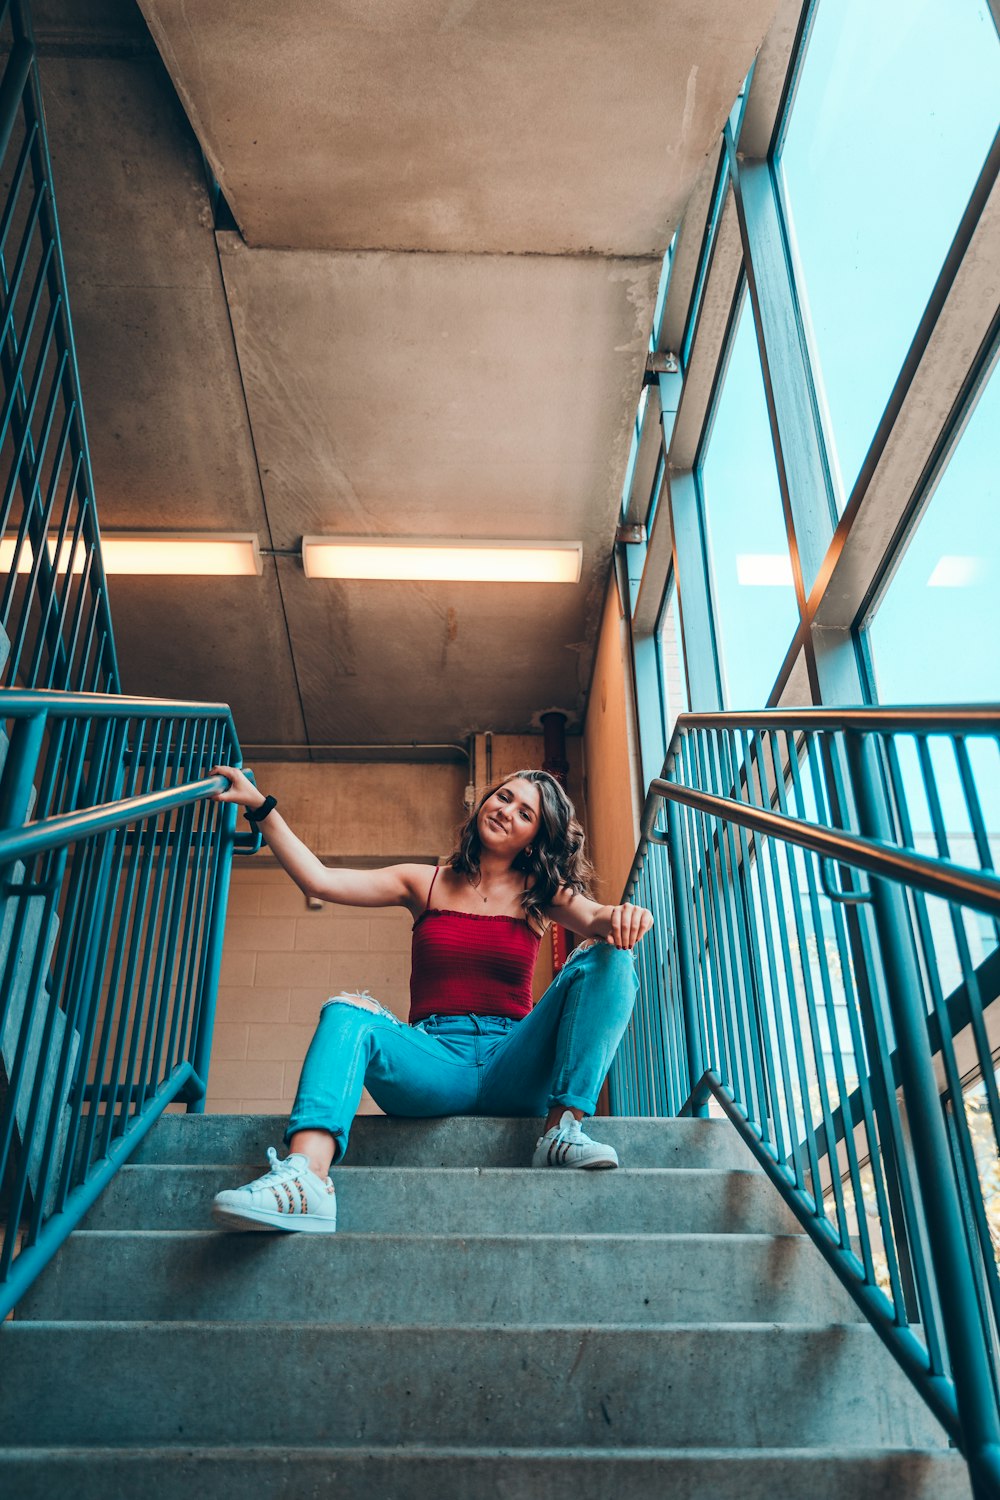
467, 963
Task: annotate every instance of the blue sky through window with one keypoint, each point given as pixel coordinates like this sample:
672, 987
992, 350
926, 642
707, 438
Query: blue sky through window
755, 610
896, 108
935, 636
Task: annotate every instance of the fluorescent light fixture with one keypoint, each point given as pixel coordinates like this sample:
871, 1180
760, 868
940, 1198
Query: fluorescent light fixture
442, 561
953, 572
208, 554
764, 569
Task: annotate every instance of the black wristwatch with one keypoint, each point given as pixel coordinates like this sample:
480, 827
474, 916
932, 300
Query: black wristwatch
258, 814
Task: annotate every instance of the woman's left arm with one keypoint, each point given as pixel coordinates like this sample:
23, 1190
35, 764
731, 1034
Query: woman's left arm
621, 926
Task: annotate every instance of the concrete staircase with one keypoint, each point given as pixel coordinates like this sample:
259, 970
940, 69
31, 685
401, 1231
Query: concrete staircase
473, 1329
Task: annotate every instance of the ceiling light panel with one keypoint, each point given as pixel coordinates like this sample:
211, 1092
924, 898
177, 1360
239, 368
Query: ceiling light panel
165, 554
442, 561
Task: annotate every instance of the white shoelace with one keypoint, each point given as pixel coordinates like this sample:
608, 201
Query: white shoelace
279, 1169
572, 1133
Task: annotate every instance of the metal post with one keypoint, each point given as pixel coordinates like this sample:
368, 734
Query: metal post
685, 959
18, 778
954, 1277
201, 1052
555, 762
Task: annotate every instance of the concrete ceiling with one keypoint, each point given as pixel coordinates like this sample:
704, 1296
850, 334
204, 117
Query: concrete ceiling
570, 127
432, 321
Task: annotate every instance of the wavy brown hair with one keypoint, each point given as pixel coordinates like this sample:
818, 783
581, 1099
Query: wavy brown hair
556, 859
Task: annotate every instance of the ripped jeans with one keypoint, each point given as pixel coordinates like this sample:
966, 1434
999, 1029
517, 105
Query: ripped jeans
559, 1054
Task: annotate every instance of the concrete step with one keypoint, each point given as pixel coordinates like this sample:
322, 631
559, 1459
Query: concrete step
474, 1200
427, 1473
454, 1141
303, 1383
438, 1279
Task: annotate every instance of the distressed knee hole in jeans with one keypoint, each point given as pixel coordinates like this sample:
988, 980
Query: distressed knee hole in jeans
361, 1000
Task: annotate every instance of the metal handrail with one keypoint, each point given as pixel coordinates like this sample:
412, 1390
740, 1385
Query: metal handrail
21, 703
70, 828
975, 888
817, 1012
114, 875
928, 718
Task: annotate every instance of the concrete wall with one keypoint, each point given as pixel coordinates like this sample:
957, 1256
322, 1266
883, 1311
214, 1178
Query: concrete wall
281, 960
611, 755
363, 811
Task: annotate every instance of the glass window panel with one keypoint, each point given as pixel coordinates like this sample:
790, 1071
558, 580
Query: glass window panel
933, 639
755, 610
934, 636
670, 652
896, 108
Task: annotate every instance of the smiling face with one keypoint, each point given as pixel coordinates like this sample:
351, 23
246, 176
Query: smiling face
508, 820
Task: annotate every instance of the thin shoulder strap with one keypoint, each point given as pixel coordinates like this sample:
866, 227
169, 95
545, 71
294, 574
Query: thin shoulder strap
430, 892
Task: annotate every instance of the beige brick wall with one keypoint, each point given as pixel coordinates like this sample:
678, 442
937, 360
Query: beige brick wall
279, 964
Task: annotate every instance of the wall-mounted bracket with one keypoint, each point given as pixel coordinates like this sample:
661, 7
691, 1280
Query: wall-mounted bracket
628, 534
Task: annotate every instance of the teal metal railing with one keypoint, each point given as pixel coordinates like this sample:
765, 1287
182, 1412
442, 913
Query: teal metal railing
112, 905
825, 971
53, 596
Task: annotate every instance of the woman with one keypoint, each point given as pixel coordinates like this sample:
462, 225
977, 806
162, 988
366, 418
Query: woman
474, 1043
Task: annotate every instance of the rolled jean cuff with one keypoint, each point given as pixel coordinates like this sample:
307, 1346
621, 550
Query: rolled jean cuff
572, 1101
339, 1135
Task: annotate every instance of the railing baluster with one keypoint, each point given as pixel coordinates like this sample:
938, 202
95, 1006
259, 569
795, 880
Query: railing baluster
715, 950
784, 1113
120, 980
666, 1053
739, 862
791, 987
200, 880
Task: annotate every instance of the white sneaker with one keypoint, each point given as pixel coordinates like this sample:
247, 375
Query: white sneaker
565, 1145
289, 1196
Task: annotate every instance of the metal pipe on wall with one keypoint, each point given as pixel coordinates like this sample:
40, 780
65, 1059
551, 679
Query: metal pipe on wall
555, 762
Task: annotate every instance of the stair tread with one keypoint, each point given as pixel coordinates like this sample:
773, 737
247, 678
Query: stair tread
545, 1174
440, 1140
445, 1450
574, 1236
460, 1384
416, 1472
264, 1327
472, 1200
186, 1274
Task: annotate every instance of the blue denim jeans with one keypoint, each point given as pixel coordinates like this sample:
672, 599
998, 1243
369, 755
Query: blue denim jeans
471, 1065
